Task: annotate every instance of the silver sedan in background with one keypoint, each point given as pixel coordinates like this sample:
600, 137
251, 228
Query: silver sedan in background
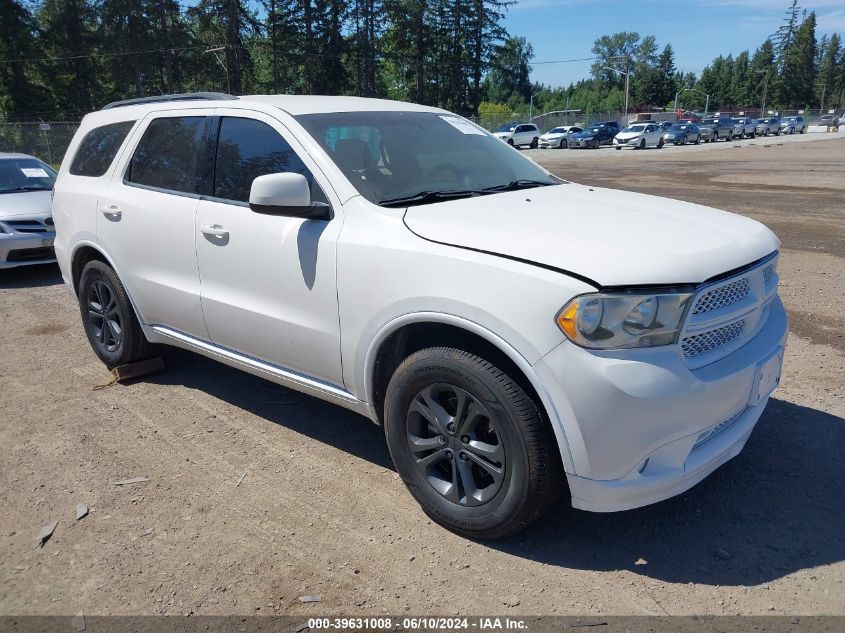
26, 217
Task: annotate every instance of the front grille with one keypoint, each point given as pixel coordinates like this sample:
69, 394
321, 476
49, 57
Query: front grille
27, 226
31, 254
708, 341
722, 296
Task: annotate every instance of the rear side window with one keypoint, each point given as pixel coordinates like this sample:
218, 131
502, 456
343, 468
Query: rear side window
247, 149
171, 154
97, 150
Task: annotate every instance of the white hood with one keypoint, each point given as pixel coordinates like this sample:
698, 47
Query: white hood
626, 136
26, 203
612, 237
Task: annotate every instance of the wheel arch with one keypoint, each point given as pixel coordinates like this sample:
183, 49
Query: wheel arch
410, 333
86, 252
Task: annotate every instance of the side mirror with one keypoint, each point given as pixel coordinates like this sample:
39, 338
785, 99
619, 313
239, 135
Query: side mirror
286, 194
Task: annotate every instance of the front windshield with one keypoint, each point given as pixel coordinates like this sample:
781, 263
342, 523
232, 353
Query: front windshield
557, 130
507, 128
25, 174
678, 128
634, 128
593, 130
388, 156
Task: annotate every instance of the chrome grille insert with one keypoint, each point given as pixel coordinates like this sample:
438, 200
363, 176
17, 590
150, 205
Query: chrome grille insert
722, 296
710, 433
708, 341
768, 273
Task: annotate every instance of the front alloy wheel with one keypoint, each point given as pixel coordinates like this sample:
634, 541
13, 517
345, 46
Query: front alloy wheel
471, 446
456, 444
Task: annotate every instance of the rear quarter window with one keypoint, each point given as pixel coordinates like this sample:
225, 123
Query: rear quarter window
98, 149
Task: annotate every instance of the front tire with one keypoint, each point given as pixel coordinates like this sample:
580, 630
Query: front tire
471, 446
563, 144
109, 319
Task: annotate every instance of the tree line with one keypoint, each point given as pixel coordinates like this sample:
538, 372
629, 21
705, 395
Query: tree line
791, 69
62, 58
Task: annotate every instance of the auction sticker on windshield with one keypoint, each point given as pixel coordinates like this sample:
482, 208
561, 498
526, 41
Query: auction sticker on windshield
464, 126
34, 172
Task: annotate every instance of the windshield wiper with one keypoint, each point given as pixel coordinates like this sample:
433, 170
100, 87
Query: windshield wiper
424, 197
19, 189
515, 185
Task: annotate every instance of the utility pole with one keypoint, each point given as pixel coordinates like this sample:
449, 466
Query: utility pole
765, 91
627, 84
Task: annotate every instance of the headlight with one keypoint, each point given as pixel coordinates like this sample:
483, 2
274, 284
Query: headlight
619, 320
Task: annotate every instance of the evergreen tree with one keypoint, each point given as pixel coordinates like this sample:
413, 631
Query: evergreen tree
797, 80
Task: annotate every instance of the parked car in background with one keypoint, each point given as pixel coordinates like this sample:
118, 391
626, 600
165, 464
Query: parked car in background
827, 120
722, 127
26, 219
558, 137
519, 134
768, 125
639, 136
682, 133
593, 137
398, 261
744, 127
792, 124
614, 125
665, 125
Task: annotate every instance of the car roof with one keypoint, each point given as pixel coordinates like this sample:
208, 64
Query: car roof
291, 104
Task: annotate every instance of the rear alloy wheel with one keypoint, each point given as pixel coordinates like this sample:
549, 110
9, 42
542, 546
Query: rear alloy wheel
535, 142
470, 444
660, 143
698, 139
108, 318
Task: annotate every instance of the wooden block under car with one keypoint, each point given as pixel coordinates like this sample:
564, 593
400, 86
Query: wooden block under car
136, 370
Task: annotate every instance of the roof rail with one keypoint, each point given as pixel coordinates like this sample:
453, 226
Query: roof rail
186, 96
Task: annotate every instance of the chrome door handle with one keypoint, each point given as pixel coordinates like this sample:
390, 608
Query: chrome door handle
215, 230
112, 212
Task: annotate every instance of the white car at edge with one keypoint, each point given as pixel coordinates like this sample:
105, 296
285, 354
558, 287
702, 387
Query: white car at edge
521, 338
639, 136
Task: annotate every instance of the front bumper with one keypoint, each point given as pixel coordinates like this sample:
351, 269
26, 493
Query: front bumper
22, 249
640, 426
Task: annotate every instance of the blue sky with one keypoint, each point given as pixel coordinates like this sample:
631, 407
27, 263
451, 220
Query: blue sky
698, 30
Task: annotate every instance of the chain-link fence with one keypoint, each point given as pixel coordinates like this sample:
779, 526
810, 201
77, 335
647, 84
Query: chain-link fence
45, 140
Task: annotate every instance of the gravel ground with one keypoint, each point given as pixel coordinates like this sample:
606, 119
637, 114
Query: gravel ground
257, 495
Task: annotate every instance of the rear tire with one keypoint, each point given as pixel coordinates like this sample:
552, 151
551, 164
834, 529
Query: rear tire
109, 319
470, 444
535, 142
698, 139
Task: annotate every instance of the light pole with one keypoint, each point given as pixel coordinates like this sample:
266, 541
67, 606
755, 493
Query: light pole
531, 105
706, 98
627, 73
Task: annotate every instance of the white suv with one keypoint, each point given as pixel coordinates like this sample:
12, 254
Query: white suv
519, 134
519, 337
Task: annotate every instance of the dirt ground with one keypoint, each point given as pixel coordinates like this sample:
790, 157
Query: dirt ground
258, 495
